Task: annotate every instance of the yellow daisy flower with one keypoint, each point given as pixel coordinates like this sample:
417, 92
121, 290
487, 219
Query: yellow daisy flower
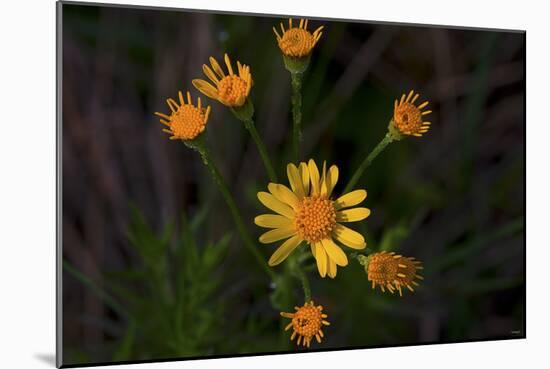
387, 269
230, 89
408, 119
297, 42
185, 121
307, 213
306, 323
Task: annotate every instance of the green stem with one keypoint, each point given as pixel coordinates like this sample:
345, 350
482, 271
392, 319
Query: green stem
249, 124
388, 138
305, 284
224, 189
296, 81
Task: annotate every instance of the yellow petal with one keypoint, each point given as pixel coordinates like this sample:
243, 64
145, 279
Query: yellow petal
330, 180
278, 234
322, 183
295, 180
239, 68
206, 88
314, 177
334, 252
272, 221
284, 250
272, 203
284, 194
350, 199
409, 96
352, 215
321, 257
349, 237
216, 67
276, 33
332, 269
228, 64
304, 173
210, 74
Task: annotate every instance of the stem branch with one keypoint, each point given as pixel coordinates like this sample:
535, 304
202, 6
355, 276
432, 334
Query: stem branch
296, 81
388, 138
305, 284
224, 189
250, 126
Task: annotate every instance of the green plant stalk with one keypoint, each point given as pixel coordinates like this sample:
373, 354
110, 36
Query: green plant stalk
388, 138
305, 284
224, 189
296, 271
251, 127
296, 82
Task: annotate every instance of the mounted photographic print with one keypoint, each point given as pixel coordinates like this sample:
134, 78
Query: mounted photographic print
240, 184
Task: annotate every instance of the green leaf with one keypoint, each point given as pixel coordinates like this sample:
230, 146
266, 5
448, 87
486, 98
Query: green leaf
124, 351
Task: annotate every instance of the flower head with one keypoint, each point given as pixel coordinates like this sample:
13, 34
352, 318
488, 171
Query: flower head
186, 121
297, 42
307, 213
230, 89
408, 119
392, 271
306, 323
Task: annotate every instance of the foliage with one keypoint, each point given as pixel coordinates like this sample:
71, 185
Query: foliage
171, 295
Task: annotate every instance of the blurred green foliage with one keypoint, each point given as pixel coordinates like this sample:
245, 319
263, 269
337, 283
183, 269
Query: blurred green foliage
171, 297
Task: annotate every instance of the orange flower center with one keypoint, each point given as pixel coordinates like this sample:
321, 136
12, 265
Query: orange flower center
315, 218
232, 90
385, 268
407, 118
188, 122
307, 321
296, 42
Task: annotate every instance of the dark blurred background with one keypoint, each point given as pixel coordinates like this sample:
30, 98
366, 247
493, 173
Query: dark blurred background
453, 199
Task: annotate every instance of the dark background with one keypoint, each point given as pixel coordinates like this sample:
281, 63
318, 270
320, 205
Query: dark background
453, 198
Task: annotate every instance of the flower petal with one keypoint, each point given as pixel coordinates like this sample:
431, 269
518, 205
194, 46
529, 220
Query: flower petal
330, 180
216, 67
284, 250
352, 215
278, 234
295, 180
323, 176
206, 88
314, 177
321, 258
304, 173
284, 194
350, 199
210, 74
277, 206
332, 269
228, 64
272, 221
349, 237
334, 252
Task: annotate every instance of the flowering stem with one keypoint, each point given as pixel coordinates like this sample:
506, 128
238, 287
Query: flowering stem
305, 284
297, 271
249, 124
388, 138
224, 189
296, 81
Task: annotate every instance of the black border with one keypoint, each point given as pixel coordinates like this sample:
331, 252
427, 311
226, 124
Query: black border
59, 185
